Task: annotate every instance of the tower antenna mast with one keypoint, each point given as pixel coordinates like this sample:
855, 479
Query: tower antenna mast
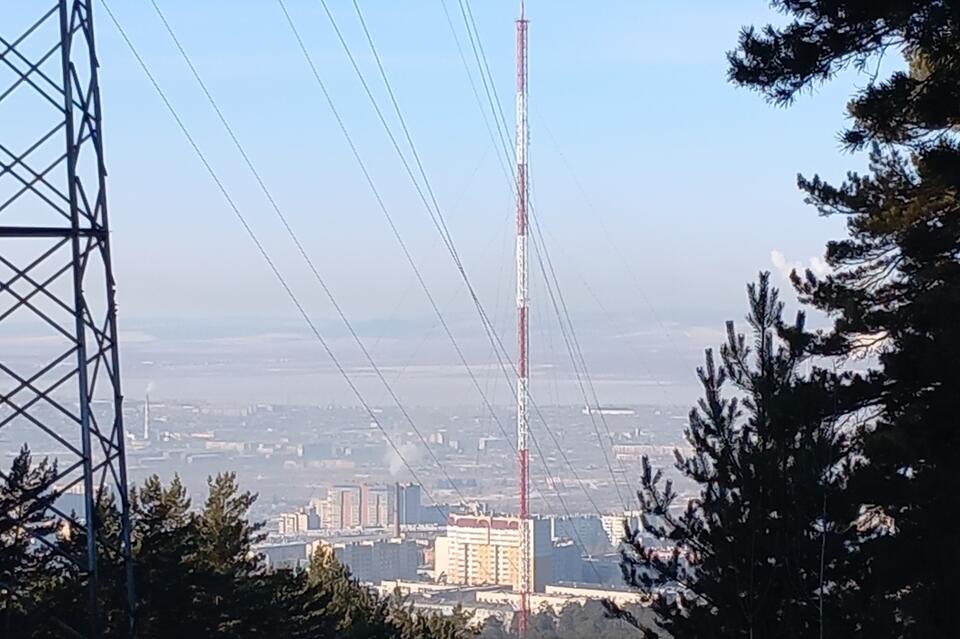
523, 414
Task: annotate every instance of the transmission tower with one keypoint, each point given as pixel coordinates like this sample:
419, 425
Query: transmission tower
59, 365
523, 327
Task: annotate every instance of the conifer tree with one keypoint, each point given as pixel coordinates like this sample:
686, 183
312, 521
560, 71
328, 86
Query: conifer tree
358, 611
764, 548
23, 516
225, 556
414, 624
197, 573
895, 285
165, 545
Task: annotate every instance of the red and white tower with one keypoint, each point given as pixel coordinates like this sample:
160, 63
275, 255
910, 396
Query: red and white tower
523, 415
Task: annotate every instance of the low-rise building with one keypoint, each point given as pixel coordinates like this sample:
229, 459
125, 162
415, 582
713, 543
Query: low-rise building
293, 554
379, 560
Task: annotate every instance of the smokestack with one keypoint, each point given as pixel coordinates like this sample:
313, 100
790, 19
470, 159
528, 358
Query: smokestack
146, 419
396, 512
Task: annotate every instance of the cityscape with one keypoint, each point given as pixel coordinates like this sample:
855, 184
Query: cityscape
328, 479
479, 320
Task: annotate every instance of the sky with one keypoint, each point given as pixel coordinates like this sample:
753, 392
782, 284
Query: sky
661, 188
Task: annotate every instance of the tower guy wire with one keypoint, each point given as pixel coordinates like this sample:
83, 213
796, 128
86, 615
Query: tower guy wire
523, 327
437, 219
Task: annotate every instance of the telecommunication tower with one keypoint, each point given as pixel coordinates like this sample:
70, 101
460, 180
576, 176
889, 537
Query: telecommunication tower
59, 369
523, 413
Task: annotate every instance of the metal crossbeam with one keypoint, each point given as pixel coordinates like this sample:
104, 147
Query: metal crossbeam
60, 382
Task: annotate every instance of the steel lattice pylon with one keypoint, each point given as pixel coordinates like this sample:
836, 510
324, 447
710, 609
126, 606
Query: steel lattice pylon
59, 365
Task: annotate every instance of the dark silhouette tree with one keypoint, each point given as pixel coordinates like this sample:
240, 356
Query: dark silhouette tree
198, 573
24, 518
766, 548
913, 105
164, 546
574, 621
895, 286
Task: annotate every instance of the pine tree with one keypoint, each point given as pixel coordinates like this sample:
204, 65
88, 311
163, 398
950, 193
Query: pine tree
24, 499
765, 548
415, 624
197, 573
359, 612
914, 105
896, 288
225, 557
165, 546
895, 285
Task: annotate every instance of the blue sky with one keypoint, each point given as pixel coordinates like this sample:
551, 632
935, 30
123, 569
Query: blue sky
688, 183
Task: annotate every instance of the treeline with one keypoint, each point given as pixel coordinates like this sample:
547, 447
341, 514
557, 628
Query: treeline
828, 461
197, 575
195, 570
575, 621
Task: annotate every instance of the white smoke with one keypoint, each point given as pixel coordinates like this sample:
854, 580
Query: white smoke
395, 461
817, 265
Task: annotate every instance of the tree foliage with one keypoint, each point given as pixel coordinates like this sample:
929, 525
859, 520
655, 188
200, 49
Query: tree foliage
197, 573
23, 518
764, 548
914, 104
575, 621
895, 285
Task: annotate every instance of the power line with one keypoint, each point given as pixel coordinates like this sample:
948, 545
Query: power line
467, 13
258, 244
396, 106
437, 218
461, 194
609, 236
396, 232
301, 250
555, 292
610, 318
261, 249
473, 87
399, 114
383, 208
576, 357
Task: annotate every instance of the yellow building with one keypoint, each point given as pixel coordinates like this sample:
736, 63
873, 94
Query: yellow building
485, 550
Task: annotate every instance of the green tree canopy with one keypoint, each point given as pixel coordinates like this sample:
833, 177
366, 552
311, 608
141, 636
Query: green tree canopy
197, 574
894, 289
764, 549
823, 37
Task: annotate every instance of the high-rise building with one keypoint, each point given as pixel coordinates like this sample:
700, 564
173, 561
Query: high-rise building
586, 531
485, 550
292, 523
376, 506
567, 562
343, 503
408, 504
298, 522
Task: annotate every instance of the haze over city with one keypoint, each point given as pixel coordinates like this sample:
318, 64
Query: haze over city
611, 156
451, 319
